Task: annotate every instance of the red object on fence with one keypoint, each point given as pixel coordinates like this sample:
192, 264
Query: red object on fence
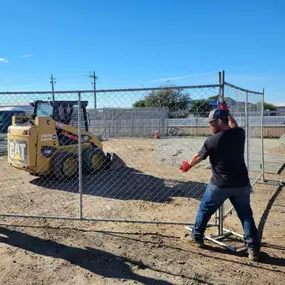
157, 135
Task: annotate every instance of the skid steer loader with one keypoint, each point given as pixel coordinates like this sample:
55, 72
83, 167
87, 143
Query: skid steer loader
47, 142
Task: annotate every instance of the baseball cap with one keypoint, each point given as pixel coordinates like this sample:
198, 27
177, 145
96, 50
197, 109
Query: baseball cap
218, 114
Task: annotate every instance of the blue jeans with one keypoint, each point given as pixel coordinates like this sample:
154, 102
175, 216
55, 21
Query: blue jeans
239, 197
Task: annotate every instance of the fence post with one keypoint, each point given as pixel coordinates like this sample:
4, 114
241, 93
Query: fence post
222, 96
247, 129
105, 122
113, 127
94, 86
197, 114
221, 220
132, 123
80, 158
166, 122
223, 85
262, 136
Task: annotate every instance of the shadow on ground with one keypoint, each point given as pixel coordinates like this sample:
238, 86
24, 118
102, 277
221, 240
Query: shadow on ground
127, 184
100, 262
267, 210
263, 258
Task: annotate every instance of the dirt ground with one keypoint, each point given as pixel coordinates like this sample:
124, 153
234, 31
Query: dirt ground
45, 251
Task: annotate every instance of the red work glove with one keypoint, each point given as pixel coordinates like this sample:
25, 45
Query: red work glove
185, 166
224, 106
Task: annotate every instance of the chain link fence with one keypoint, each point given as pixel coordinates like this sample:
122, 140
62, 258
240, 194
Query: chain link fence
151, 182
247, 108
120, 161
31, 166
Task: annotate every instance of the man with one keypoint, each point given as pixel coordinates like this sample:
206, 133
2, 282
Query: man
229, 178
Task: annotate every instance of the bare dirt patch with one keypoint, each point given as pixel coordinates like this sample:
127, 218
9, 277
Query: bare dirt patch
277, 150
41, 251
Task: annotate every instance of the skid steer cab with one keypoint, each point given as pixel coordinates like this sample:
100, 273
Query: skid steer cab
47, 142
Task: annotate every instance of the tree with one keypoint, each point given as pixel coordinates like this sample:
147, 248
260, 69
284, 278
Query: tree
139, 104
269, 106
173, 99
201, 107
257, 106
215, 97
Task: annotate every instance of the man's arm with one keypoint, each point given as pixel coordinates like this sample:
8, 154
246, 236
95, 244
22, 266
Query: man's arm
232, 122
195, 160
187, 165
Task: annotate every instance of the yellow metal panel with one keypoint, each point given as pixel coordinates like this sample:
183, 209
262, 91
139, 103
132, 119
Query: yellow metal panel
46, 137
22, 142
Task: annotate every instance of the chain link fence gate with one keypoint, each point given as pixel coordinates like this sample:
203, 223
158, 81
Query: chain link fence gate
151, 141
246, 106
148, 187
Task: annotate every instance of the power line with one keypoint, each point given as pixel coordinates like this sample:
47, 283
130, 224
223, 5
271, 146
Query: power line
52, 82
93, 81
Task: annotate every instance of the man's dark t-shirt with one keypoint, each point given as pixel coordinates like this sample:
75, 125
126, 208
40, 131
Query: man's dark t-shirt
226, 151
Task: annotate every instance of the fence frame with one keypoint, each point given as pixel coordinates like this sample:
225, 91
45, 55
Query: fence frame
220, 216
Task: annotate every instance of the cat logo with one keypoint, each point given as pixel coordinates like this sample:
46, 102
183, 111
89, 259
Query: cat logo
18, 150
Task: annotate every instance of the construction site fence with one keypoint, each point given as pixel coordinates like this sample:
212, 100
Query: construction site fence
140, 127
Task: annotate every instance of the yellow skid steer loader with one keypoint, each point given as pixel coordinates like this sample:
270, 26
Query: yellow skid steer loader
47, 142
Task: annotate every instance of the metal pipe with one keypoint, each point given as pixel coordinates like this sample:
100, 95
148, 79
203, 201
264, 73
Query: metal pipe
94, 85
111, 90
216, 241
256, 179
247, 130
242, 89
218, 237
223, 85
228, 212
221, 209
96, 220
262, 139
275, 182
220, 83
38, 217
216, 218
80, 159
130, 89
220, 243
221, 220
234, 233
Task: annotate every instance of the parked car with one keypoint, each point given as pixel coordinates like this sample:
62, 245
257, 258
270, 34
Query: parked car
6, 114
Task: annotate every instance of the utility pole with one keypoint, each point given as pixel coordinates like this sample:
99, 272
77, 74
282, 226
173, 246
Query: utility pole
94, 78
52, 82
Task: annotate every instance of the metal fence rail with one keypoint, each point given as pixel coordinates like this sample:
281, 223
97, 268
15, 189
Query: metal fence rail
253, 118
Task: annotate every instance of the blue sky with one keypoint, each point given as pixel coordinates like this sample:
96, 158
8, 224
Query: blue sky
147, 42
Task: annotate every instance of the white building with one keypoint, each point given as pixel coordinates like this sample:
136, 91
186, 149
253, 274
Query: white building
21, 105
280, 109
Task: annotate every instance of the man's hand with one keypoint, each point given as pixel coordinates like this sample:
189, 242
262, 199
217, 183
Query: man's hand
188, 165
224, 106
232, 122
185, 166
